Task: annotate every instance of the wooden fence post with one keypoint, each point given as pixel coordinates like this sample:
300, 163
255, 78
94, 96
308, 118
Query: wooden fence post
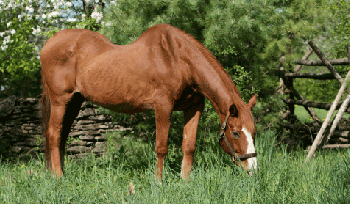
319, 136
338, 116
343, 107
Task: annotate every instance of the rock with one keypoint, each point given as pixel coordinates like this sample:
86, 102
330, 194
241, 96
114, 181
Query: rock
103, 126
78, 143
94, 132
100, 138
7, 105
98, 118
77, 133
87, 138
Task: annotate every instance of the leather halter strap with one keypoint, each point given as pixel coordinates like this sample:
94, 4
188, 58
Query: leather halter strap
232, 151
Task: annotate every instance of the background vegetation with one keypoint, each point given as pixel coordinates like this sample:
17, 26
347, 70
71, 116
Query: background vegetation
248, 37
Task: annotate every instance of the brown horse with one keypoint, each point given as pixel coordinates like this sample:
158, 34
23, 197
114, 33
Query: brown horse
164, 70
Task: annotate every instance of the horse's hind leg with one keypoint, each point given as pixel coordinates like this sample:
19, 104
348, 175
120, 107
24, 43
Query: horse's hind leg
192, 115
61, 118
162, 117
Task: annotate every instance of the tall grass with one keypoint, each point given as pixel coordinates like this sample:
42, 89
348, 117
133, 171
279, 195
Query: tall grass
283, 177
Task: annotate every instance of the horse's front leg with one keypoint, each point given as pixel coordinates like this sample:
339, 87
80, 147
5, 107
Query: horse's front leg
162, 117
192, 116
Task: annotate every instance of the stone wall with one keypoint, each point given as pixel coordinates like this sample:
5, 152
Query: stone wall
20, 130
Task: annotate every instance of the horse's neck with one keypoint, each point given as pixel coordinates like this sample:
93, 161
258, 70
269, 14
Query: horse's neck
218, 87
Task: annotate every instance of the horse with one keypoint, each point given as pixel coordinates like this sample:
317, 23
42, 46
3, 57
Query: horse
164, 70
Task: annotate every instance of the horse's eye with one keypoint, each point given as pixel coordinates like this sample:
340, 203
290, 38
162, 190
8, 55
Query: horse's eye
235, 135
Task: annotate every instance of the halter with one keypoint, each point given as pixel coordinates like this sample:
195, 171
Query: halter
232, 151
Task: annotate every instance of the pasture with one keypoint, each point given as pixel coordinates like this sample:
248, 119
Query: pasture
283, 177
303, 116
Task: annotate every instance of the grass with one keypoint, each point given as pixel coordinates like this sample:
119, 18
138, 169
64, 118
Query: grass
283, 177
304, 116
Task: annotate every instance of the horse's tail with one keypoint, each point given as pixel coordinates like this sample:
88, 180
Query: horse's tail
45, 109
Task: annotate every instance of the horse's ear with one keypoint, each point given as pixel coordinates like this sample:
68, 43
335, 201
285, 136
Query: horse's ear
252, 101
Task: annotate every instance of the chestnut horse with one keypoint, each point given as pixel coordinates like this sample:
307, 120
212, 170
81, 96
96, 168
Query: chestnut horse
164, 70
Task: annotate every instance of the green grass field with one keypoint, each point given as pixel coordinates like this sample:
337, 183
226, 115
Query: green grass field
283, 177
304, 116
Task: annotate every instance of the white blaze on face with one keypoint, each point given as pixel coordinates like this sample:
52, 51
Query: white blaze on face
252, 162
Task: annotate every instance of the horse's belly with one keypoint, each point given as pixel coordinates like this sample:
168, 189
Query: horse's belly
128, 108
125, 102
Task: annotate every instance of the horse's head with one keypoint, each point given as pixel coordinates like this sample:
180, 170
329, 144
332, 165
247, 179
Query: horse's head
237, 135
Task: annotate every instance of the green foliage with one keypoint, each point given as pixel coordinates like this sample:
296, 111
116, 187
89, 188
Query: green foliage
326, 23
19, 60
25, 26
268, 113
341, 32
293, 24
127, 20
317, 90
234, 28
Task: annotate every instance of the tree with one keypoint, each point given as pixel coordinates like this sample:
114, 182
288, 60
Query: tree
341, 31
19, 59
327, 24
25, 26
